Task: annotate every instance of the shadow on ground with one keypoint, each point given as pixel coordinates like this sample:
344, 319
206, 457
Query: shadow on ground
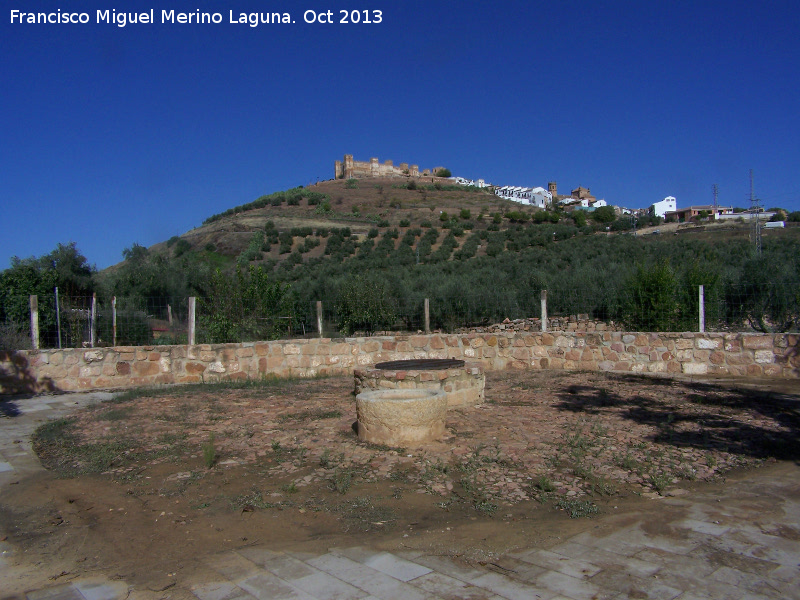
759, 424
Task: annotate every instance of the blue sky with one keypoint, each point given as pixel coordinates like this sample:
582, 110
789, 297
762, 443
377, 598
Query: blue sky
111, 135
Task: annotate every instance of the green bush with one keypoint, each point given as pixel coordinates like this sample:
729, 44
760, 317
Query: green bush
364, 304
650, 298
604, 214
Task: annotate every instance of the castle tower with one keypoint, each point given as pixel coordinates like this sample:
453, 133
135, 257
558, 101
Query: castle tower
552, 188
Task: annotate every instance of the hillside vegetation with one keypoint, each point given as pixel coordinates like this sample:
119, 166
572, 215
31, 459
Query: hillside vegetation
373, 249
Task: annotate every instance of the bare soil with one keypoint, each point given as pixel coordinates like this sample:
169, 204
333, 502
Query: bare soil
130, 492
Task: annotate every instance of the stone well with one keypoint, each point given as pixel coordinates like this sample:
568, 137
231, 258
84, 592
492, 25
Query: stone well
463, 383
401, 417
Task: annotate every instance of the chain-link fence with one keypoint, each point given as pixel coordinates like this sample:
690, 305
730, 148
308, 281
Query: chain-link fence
69, 322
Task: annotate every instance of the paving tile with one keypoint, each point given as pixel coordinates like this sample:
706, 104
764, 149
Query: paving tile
613, 544
635, 587
516, 569
448, 588
572, 587
717, 590
257, 555
316, 583
611, 560
385, 562
233, 566
786, 573
366, 578
637, 537
687, 566
734, 560
572, 549
702, 527
325, 586
266, 586
448, 566
510, 589
221, 591
101, 590
558, 562
59, 592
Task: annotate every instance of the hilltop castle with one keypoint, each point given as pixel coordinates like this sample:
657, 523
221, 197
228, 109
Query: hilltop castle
349, 168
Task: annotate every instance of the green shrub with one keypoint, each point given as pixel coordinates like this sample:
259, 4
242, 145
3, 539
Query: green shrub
364, 304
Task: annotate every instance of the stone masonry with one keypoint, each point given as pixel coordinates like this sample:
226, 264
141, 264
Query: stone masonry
739, 354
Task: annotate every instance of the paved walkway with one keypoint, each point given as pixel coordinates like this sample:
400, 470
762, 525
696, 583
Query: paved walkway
741, 542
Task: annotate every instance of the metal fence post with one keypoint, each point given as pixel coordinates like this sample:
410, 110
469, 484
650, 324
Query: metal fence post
702, 307
93, 322
544, 310
192, 302
35, 321
427, 315
114, 321
319, 317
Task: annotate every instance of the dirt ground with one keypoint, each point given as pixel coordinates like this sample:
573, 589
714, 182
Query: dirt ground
143, 487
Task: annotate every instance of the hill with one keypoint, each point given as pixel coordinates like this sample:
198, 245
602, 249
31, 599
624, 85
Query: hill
382, 204
374, 249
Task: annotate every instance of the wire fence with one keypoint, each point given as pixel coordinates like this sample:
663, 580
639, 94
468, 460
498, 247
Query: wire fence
69, 322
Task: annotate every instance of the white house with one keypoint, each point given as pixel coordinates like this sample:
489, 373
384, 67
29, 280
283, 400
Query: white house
537, 196
668, 204
475, 183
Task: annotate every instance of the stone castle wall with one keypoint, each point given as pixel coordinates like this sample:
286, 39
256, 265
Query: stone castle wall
670, 353
349, 169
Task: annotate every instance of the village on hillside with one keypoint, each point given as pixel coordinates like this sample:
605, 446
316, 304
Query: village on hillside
580, 198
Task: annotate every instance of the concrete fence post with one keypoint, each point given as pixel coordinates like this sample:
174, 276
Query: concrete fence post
702, 309
319, 317
192, 304
34, 321
427, 315
114, 321
93, 322
544, 310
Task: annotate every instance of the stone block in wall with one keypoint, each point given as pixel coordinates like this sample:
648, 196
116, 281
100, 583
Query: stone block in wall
93, 356
145, 368
757, 342
764, 356
563, 341
732, 344
690, 368
709, 344
741, 358
684, 344
123, 368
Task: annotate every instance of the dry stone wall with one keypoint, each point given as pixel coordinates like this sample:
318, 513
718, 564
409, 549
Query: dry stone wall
738, 354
